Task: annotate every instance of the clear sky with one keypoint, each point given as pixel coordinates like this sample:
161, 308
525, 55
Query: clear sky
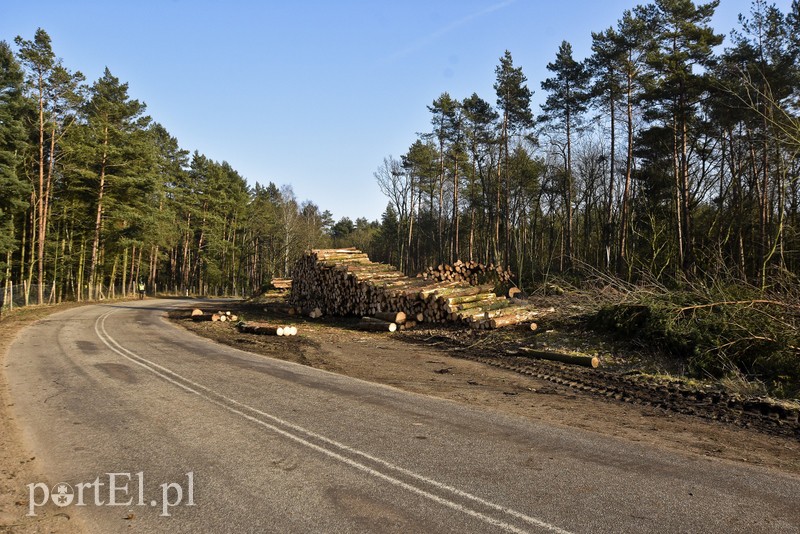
313, 93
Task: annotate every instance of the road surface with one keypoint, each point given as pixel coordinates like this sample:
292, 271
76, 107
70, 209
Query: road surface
148, 428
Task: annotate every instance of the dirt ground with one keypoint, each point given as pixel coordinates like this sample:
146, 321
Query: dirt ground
449, 363
455, 365
18, 467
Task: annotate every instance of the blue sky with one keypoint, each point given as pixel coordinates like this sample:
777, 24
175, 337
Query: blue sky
313, 93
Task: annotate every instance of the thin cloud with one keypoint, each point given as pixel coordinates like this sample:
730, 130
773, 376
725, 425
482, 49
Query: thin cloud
428, 39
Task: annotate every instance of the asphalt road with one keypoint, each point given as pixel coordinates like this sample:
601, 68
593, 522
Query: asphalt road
152, 429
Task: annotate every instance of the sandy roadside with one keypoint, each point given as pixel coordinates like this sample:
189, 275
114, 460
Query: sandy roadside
18, 467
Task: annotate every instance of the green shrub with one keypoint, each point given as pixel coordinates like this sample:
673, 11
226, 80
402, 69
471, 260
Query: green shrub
716, 333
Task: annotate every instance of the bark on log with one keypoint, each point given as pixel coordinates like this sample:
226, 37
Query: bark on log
470, 299
267, 329
391, 317
376, 325
575, 359
507, 320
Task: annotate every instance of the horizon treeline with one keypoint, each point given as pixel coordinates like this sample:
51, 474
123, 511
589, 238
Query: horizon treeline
664, 155
96, 195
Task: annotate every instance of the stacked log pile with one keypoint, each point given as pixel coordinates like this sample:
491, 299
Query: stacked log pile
471, 272
345, 282
282, 284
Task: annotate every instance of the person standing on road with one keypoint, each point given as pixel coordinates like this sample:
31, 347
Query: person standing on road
141, 289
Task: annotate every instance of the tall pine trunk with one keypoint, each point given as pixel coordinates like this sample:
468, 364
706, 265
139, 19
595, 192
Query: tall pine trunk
98, 222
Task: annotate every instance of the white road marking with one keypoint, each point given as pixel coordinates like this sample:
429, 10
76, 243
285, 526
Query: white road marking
197, 389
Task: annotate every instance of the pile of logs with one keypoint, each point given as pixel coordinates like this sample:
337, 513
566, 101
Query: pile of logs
282, 284
471, 272
345, 282
220, 316
263, 329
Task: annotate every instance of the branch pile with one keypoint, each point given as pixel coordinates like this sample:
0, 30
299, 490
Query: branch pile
345, 282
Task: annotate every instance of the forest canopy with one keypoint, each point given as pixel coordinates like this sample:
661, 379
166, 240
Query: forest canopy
98, 196
668, 154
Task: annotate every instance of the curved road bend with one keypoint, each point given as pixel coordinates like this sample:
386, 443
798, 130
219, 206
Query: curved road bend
242, 443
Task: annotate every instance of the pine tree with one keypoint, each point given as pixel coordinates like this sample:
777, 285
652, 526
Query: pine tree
57, 93
681, 54
480, 121
443, 111
632, 34
566, 101
12, 143
514, 100
605, 67
118, 157
420, 165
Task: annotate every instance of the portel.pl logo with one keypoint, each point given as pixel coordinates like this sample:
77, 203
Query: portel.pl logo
114, 489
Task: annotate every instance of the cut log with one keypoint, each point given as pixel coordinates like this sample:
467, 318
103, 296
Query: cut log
469, 299
506, 320
391, 317
472, 305
262, 329
371, 324
574, 359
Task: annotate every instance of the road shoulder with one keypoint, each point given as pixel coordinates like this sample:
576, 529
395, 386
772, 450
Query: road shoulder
18, 466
